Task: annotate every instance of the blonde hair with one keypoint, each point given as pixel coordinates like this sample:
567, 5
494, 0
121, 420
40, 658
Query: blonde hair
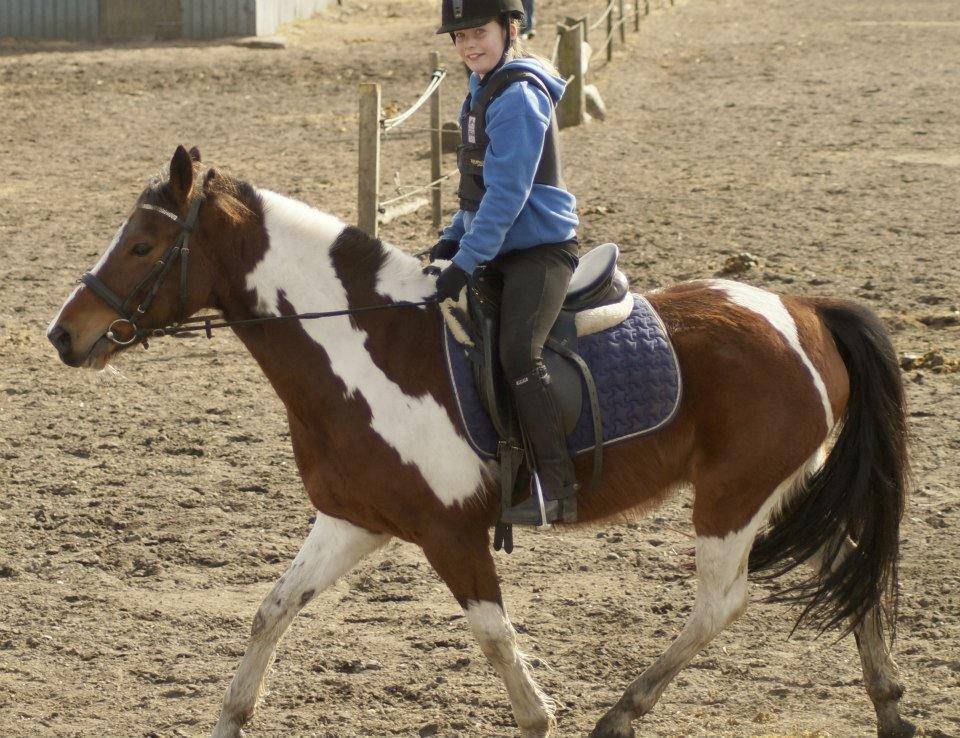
517, 49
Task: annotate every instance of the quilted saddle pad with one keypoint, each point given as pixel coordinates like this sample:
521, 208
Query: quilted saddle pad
635, 370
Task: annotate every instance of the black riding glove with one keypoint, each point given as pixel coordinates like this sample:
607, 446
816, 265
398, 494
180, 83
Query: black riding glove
451, 280
444, 249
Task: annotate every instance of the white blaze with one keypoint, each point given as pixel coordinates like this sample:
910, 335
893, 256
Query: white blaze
96, 269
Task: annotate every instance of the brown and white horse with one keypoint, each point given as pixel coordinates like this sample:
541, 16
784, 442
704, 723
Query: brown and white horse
791, 432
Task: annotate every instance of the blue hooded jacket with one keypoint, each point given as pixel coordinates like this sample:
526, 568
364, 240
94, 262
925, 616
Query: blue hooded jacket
515, 213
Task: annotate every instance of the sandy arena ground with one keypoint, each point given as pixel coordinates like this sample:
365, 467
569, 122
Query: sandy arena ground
145, 514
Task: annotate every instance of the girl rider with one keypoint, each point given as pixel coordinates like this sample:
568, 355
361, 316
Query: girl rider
517, 219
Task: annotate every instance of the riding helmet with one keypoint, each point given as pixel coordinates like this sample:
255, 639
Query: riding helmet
459, 14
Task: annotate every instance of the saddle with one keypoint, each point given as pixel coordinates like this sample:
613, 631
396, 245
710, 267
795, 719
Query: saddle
596, 283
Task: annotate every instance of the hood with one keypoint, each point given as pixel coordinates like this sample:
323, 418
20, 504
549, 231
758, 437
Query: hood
555, 85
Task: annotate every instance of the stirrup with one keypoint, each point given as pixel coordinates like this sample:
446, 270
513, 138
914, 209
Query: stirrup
541, 512
528, 513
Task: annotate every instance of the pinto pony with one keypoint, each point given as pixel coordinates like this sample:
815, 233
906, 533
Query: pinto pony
769, 382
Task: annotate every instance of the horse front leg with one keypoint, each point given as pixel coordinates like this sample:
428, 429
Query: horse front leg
468, 569
532, 708
331, 549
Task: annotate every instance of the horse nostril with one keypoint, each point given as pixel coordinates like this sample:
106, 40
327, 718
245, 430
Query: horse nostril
60, 339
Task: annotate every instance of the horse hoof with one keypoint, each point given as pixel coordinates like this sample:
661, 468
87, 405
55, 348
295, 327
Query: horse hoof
903, 729
613, 726
228, 731
544, 732
603, 733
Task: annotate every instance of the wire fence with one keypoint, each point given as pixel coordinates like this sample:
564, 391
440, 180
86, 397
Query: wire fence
573, 53
414, 191
603, 16
371, 210
625, 14
435, 81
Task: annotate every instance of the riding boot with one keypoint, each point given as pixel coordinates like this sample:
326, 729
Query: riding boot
540, 421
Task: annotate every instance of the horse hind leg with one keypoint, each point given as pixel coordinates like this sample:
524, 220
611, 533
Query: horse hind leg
721, 599
331, 549
881, 676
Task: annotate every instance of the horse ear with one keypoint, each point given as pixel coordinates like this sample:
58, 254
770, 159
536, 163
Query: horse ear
181, 175
211, 175
195, 153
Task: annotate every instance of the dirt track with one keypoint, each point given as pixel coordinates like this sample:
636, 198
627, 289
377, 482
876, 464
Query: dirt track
144, 514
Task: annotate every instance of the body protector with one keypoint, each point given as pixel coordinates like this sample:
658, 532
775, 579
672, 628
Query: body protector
474, 142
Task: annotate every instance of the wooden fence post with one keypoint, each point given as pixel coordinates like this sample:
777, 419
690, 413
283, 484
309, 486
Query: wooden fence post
436, 146
636, 15
621, 19
570, 111
582, 20
610, 31
646, 7
368, 170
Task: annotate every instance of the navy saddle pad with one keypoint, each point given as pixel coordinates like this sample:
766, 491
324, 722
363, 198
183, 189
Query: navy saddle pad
633, 365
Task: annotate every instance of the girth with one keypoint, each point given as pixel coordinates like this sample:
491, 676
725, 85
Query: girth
474, 139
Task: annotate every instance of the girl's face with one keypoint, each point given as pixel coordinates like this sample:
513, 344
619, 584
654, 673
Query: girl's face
481, 47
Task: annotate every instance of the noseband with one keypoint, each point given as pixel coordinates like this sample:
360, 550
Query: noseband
152, 282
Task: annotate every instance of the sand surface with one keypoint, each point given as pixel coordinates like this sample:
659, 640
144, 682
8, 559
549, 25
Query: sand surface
145, 514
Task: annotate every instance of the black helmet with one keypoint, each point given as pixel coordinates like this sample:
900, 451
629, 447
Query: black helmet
460, 14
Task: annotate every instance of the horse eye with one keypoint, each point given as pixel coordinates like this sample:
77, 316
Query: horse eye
142, 249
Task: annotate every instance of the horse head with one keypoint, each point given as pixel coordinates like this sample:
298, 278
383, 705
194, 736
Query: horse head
156, 270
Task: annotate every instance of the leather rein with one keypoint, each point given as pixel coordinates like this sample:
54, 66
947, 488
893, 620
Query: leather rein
179, 251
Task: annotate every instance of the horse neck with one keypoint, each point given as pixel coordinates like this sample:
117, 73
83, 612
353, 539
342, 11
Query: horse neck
310, 261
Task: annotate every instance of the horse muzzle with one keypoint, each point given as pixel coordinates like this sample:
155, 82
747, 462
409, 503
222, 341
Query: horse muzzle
95, 356
63, 342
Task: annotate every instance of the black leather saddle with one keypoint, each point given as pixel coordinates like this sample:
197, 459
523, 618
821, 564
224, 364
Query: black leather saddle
596, 282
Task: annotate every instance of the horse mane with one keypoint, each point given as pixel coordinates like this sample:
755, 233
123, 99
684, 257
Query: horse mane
360, 259
230, 195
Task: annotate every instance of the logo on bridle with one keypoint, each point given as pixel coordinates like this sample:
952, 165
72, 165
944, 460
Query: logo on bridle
458, 8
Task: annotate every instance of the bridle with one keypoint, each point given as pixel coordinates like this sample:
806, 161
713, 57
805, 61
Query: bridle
179, 251
152, 282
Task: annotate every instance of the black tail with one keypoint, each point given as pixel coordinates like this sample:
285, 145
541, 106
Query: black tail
859, 492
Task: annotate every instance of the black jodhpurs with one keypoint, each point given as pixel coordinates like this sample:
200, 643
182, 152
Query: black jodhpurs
534, 284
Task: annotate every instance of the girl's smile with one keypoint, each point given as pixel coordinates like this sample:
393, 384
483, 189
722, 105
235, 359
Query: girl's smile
482, 47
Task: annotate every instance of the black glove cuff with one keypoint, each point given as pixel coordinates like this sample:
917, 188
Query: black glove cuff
445, 248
